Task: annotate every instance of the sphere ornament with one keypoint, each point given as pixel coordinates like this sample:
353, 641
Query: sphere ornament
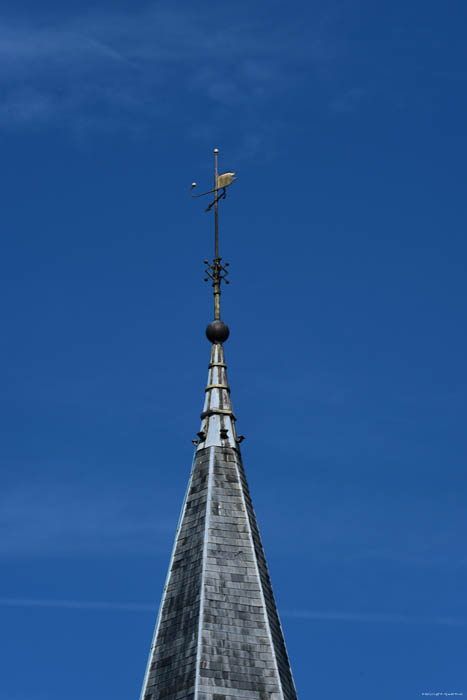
217, 332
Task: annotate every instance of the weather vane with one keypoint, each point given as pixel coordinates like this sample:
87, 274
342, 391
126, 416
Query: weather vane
216, 271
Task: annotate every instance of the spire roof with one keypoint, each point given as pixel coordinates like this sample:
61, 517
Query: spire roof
218, 634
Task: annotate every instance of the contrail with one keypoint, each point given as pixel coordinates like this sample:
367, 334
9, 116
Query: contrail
320, 615
76, 604
337, 616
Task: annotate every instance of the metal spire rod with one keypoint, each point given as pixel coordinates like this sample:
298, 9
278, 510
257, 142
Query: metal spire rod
216, 277
216, 271
216, 206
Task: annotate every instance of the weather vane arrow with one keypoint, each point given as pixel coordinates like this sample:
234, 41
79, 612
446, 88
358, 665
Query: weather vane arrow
216, 271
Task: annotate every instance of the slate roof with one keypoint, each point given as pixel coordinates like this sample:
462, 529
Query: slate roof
218, 634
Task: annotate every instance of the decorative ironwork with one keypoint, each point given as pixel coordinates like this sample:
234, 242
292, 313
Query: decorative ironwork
216, 271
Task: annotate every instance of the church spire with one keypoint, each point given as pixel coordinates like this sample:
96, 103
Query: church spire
218, 634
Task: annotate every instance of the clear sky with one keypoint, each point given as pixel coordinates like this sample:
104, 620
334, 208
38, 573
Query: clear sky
346, 233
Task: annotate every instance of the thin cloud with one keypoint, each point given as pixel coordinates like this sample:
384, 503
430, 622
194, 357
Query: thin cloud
338, 616
306, 615
127, 66
79, 518
76, 605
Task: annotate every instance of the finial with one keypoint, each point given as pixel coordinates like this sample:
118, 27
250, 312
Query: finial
217, 331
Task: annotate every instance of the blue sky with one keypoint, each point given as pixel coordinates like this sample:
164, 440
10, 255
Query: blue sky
345, 122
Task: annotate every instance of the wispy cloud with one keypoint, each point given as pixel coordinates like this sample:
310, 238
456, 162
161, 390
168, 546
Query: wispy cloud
69, 519
306, 615
393, 618
142, 63
368, 522
77, 605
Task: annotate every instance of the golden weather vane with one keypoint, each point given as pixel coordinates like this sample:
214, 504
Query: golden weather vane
216, 271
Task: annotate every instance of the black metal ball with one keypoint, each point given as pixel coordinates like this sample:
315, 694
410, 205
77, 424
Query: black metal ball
217, 332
